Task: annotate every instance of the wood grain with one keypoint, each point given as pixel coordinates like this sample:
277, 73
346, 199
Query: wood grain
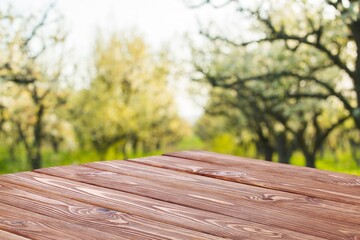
40, 227
230, 160
259, 178
209, 201
104, 219
190, 218
186, 195
259, 197
345, 184
10, 236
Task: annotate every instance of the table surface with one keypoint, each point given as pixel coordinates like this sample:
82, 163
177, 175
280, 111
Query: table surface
182, 195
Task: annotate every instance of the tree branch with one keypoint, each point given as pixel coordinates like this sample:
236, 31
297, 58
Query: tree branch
23, 80
281, 35
207, 2
325, 134
39, 25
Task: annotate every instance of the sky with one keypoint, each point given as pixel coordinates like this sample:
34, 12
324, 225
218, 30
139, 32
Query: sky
159, 21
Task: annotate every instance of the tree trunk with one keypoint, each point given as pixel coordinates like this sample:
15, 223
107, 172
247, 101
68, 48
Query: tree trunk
268, 153
259, 151
355, 29
158, 145
124, 152
310, 160
134, 146
55, 145
284, 157
355, 153
284, 149
12, 153
36, 161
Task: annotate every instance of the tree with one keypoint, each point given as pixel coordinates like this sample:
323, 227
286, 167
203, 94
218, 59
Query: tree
330, 30
27, 83
294, 63
128, 102
273, 108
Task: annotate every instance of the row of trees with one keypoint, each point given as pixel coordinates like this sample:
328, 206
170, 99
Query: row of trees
292, 85
126, 106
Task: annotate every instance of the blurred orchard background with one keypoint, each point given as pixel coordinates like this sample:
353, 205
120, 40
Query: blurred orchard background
93, 80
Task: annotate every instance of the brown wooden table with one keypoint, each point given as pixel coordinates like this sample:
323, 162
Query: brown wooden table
183, 195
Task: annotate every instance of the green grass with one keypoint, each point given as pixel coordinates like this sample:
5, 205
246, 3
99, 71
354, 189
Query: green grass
343, 163
189, 143
223, 144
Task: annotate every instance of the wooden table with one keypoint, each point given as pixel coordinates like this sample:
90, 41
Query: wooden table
183, 195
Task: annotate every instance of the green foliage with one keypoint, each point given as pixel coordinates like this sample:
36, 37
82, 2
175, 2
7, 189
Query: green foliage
224, 143
128, 102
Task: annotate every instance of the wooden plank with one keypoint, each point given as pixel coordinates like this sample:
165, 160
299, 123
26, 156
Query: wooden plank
230, 160
259, 178
39, 227
273, 167
104, 219
259, 197
186, 217
201, 199
10, 236
342, 183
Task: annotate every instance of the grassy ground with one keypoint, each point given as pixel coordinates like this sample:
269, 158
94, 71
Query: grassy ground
224, 144
342, 162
